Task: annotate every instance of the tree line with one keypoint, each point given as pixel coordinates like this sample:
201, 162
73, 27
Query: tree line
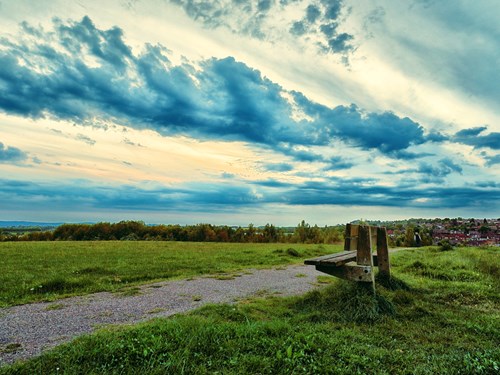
139, 231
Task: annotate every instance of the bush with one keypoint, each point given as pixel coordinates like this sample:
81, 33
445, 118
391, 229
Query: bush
445, 245
292, 252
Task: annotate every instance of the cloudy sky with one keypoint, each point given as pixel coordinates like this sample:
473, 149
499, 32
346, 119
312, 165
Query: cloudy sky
240, 111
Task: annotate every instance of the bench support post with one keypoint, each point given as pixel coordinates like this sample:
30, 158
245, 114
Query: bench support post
384, 266
364, 254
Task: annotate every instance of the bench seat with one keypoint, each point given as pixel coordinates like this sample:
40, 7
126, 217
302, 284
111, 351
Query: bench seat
337, 259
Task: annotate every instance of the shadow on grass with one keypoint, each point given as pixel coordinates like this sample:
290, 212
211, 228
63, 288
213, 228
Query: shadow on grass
59, 285
391, 282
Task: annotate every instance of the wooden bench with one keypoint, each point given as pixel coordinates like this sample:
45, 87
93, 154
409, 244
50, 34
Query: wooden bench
357, 261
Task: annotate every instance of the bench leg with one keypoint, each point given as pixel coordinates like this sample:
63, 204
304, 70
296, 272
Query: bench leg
384, 266
364, 254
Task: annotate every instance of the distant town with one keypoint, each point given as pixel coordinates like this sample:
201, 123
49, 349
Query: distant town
457, 231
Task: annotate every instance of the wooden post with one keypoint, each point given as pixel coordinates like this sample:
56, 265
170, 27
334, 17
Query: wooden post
384, 266
373, 236
364, 255
351, 237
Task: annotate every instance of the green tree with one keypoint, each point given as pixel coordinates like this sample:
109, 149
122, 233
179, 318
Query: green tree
270, 233
409, 237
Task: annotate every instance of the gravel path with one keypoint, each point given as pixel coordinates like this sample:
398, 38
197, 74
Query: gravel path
27, 330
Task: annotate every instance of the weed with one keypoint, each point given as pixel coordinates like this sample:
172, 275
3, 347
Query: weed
325, 279
391, 282
196, 298
57, 285
292, 252
300, 275
94, 271
156, 310
55, 306
128, 292
224, 277
105, 314
11, 348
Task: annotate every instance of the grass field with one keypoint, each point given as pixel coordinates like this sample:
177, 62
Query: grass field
35, 271
439, 315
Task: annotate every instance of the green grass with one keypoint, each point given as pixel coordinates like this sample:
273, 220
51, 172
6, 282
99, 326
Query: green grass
35, 271
430, 319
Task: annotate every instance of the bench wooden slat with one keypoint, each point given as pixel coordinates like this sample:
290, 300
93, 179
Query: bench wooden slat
337, 259
333, 259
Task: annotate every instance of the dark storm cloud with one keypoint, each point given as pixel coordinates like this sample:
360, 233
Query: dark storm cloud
211, 13
313, 13
246, 17
337, 163
329, 29
451, 165
407, 155
322, 21
349, 193
487, 184
298, 28
223, 99
492, 160
279, 167
473, 137
435, 173
264, 5
239, 16
437, 137
307, 156
272, 183
332, 8
107, 45
383, 131
82, 194
340, 43
210, 197
431, 172
11, 154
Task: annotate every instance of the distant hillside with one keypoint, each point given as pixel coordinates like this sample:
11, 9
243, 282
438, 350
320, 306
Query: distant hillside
12, 224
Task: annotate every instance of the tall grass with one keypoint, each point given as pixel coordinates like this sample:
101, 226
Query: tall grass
431, 325
34, 271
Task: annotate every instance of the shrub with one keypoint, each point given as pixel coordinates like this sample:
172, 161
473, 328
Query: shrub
445, 245
292, 252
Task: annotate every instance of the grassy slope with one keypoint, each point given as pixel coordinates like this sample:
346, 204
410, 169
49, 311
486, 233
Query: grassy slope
443, 319
33, 271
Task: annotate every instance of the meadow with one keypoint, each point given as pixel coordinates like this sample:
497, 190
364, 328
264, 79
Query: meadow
439, 314
46, 271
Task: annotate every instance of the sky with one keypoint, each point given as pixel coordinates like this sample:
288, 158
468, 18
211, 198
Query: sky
236, 111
